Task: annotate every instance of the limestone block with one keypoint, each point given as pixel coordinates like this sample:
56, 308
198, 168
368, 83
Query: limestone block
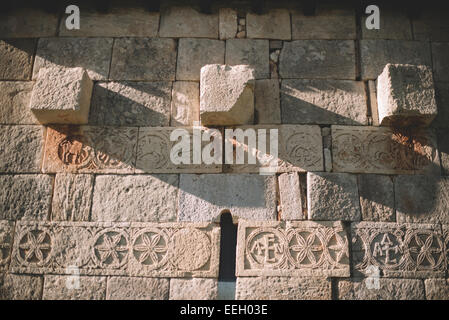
205, 197
394, 24
323, 102
283, 288
193, 54
185, 103
16, 58
227, 24
130, 59
120, 248
442, 98
321, 59
184, 22
376, 197
369, 150
21, 148
57, 287
291, 197
431, 25
136, 288
6, 240
14, 101
440, 51
332, 196
62, 95
406, 96
275, 24
396, 250
388, 289
29, 22
437, 289
92, 54
226, 95
20, 287
193, 289
422, 199
72, 197
292, 249
140, 198
252, 52
375, 54
267, 102
87, 149
130, 103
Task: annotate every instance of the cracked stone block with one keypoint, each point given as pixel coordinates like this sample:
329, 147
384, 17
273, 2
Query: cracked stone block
134, 288
292, 249
375, 54
6, 241
21, 148
14, 101
61, 95
92, 54
406, 96
323, 102
140, 198
431, 25
227, 24
227, 95
320, 59
332, 196
193, 289
72, 197
283, 288
28, 23
204, 197
252, 52
130, 59
130, 103
267, 102
20, 287
376, 197
394, 24
185, 103
193, 54
437, 289
273, 25
67, 287
440, 52
184, 22
422, 199
16, 58
385, 289
291, 196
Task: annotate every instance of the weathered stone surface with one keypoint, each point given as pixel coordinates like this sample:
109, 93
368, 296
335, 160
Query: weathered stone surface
6, 240
16, 58
406, 96
193, 289
375, 54
394, 24
193, 54
323, 102
442, 98
21, 148
131, 249
92, 54
322, 59
296, 248
383, 150
140, 198
72, 197
87, 149
62, 95
131, 59
205, 197
227, 95
184, 22
387, 289
267, 101
252, 52
20, 287
130, 103
440, 52
64, 288
332, 196
28, 23
443, 147
431, 25
291, 197
133, 288
117, 22
398, 250
376, 197
422, 198
273, 25
372, 92
283, 288
14, 101
227, 24
185, 103
437, 289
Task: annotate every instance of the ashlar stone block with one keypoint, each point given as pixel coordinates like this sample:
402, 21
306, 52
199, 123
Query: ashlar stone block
440, 51
28, 22
14, 102
90, 288
6, 240
291, 196
267, 104
185, 103
227, 23
137, 288
21, 287
275, 24
16, 58
252, 52
376, 197
437, 289
193, 289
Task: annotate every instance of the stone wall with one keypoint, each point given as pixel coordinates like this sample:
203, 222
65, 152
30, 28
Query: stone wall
360, 212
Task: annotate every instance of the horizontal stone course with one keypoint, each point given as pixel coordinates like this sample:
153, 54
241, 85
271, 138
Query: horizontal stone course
16, 58
69, 287
137, 288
